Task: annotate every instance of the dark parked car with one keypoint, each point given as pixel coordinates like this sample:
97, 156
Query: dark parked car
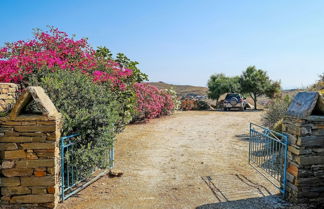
235, 101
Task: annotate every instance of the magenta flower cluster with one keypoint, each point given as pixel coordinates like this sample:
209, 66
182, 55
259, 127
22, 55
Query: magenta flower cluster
56, 50
152, 102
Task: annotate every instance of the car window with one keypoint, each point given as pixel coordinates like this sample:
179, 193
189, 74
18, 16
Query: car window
230, 96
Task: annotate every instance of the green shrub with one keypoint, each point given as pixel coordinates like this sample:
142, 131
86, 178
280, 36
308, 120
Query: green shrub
88, 109
203, 105
276, 111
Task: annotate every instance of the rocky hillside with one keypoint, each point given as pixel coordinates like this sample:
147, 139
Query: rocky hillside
182, 90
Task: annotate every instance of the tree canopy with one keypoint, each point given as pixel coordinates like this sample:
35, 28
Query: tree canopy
219, 84
256, 82
253, 81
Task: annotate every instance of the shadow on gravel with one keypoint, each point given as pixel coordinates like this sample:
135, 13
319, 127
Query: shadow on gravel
237, 110
243, 137
268, 202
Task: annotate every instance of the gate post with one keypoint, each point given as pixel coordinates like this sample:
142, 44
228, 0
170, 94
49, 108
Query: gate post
304, 125
30, 152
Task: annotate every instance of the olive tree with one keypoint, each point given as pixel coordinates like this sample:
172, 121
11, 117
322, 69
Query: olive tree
219, 84
256, 82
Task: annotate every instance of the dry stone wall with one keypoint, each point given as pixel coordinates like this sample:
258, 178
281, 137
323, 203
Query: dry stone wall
305, 173
29, 153
8, 94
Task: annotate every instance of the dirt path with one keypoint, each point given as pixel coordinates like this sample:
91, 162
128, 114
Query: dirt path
187, 160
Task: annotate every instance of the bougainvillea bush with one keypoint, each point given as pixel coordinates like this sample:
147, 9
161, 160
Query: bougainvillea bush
96, 93
54, 50
152, 102
27, 62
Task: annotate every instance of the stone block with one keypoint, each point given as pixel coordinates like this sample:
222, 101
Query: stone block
45, 150
8, 182
5, 200
16, 154
51, 171
35, 128
7, 164
293, 170
39, 173
35, 146
11, 123
8, 146
292, 187
292, 139
40, 169
38, 181
47, 123
293, 149
302, 173
318, 132
310, 160
51, 190
18, 190
45, 154
308, 194
290, 177
17, 172
21, 139
39, 190
310, 141
31, 156
35, 163
308, 181
40, 198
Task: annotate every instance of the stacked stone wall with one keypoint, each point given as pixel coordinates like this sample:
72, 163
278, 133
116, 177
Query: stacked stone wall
305, 173
29, 154
8, 96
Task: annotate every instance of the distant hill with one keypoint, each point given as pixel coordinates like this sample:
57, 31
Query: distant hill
181, 90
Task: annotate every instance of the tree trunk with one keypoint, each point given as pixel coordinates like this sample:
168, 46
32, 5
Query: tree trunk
255, 102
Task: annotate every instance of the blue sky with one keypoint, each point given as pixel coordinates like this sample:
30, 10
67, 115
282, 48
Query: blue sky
185, 41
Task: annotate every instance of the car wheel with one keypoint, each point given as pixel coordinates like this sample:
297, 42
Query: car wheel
225, 109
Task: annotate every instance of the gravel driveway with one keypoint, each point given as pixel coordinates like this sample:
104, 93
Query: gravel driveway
188, 160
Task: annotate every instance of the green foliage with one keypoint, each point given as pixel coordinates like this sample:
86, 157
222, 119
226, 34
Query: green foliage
105, 54
276, 112
219, 84
319, 85
129, 64
321, 77
202, 105
256, 82
87, 108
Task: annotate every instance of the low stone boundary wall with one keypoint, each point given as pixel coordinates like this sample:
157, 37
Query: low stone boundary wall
29, 153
